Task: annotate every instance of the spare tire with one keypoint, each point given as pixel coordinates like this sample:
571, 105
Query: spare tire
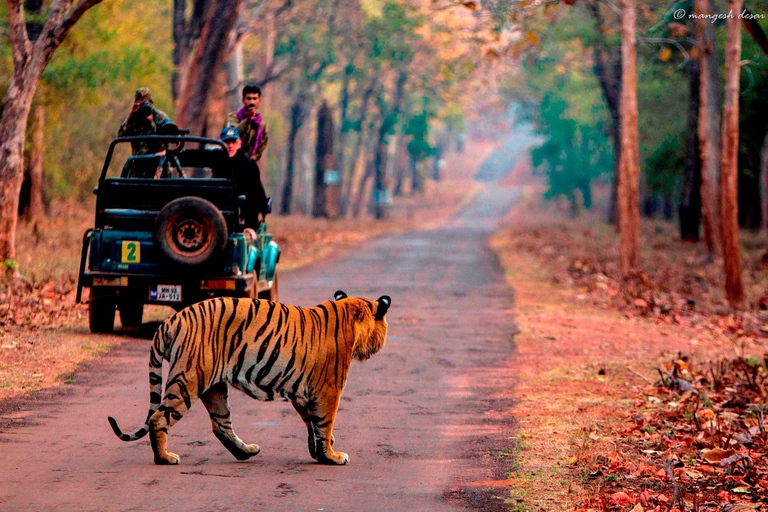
190, 231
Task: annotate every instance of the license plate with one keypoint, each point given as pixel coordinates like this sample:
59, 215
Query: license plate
165, 293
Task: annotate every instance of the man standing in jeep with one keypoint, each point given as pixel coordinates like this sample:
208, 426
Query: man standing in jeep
143, 119
250, 123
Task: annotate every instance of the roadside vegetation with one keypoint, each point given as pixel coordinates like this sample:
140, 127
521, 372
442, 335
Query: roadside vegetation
642, 397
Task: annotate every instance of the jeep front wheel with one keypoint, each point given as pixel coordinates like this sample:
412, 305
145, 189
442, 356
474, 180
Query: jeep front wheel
190, 231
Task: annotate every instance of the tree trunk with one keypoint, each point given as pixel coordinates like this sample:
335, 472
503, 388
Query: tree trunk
297, 120
36, 208
343, 131
629, 215
205, 61
351, 177
235, 77
13, 125
708, 127
764, 186
734, 290
608, 69
690, 197
29, 62
216, 112
324, 162
179, 46
380, 194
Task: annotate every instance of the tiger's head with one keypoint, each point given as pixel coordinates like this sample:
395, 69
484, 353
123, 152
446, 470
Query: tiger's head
369, 324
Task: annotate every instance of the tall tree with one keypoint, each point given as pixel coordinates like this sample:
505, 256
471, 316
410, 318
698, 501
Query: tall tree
729, 217
690, 197
29, 62
628, 193
324, 161
36, 208
708, 126
205, 62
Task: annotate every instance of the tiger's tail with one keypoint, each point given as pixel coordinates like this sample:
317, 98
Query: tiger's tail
159, 344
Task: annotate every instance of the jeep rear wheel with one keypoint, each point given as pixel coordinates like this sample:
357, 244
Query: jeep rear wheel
131, 312
101, 313
190, 231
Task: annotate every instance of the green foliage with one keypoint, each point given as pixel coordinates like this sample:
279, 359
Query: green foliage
417, 127
88, 87
571, 114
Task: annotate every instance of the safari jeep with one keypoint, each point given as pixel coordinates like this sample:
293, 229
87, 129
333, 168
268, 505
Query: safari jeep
166, 232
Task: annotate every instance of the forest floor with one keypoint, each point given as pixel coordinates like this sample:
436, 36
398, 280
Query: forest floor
43, 301
643, 395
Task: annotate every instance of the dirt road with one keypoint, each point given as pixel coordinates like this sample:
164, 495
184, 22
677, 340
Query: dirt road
423, 421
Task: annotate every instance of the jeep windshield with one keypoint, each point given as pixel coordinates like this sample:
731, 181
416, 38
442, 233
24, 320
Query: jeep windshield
176, 157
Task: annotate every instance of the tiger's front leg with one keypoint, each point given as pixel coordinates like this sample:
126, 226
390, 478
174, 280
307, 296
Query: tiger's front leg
304, 413
322, 415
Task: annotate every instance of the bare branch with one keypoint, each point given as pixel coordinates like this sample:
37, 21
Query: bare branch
17, 32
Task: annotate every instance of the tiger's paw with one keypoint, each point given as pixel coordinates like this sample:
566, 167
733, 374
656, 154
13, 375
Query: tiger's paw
171, 459
249, 451
334, 458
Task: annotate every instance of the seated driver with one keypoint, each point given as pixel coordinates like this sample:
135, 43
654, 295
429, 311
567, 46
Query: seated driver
238, 167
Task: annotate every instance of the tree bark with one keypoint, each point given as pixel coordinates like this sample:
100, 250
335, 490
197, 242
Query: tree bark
352, 176
734, 290
690, 197
324, 161
206, 58
764, 186
607, 67
708, 128
29, 61
179, 46
629, 215
389, 121
298, 115
36, 208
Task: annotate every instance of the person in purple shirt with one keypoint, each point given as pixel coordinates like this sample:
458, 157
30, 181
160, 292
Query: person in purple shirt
250, 124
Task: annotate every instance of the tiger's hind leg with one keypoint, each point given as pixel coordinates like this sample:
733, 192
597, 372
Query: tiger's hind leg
179, 397
216, 400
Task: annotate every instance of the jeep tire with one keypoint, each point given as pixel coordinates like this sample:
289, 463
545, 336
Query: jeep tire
190, 232
131, 311
101, 312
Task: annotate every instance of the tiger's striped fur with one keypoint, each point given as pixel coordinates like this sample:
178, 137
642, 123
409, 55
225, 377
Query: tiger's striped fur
264, 349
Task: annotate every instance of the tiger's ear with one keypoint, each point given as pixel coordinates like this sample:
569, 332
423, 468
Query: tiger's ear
338, 295
384, 302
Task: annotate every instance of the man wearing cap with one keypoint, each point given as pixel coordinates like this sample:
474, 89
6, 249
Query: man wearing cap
250, 124
246, 176
143, 120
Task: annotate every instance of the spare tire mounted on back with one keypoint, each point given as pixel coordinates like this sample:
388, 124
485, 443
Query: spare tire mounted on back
190, 231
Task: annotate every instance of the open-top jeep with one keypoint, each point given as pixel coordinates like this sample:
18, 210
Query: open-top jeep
168, 231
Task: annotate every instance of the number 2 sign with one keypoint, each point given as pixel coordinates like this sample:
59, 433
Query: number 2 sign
131, 252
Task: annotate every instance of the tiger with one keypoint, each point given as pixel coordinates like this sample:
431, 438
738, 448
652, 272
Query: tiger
264, 349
